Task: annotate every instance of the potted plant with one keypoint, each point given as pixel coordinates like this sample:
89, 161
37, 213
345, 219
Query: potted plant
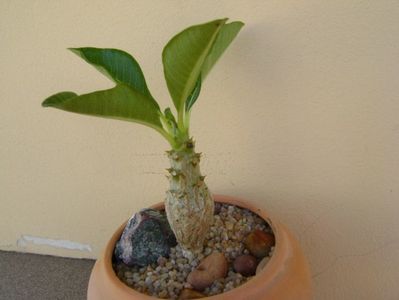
190, 208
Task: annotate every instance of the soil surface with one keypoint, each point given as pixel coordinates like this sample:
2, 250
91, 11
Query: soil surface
168, 277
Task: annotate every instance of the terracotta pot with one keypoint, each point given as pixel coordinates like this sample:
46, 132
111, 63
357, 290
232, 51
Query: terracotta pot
285, 277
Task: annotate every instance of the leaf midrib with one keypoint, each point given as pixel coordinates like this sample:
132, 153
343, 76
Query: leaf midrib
197, 68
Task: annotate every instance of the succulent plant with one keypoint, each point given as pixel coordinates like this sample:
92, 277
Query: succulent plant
187, 59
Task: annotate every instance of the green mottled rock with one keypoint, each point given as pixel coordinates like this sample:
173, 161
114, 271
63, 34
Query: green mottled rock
146, 237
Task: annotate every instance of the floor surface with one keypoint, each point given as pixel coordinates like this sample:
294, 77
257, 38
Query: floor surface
39, 277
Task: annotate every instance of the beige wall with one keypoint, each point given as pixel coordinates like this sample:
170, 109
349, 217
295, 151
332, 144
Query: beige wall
300, 116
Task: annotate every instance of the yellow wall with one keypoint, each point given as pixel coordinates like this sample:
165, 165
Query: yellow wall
301, 116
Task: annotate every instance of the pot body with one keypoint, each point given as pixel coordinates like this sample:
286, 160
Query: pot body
285, 277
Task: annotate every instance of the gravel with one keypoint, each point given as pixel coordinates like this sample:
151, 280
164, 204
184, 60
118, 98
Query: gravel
166, 278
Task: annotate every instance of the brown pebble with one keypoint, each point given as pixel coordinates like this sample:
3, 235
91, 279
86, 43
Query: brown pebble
210, 269
190, 294
245, 265
259, 243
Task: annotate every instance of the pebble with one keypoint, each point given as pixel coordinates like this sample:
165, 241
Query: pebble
190, 294
163, 294
211, 268
259, 243
229, 226
161, 261
245, 265
128, 274
169, 274
146, 237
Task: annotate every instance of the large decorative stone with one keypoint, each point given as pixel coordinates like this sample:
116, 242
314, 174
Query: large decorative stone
245, 265
146, 237
259, 243
211, 268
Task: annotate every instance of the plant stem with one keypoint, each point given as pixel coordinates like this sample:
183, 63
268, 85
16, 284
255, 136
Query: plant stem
189, 205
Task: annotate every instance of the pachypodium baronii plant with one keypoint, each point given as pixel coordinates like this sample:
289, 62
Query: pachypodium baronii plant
187, 59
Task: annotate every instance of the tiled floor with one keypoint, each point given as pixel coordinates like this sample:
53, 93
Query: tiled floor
39, 277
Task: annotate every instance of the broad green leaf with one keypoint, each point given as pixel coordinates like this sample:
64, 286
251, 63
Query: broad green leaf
184, 56
121, 102
194, 94
117, 65
226, 35
224, 38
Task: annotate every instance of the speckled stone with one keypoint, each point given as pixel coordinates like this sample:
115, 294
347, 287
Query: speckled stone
146, 237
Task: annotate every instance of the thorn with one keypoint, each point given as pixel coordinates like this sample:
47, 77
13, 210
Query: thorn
195, 159
190, 144
174, 173
200, 181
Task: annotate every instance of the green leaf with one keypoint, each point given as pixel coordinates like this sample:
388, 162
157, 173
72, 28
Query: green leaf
170, 118
121, 102
184, 56
194, 95
226, 35
57, 98
169, 115
117, 65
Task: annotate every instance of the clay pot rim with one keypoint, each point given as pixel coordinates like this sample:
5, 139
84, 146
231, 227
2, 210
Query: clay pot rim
265, 277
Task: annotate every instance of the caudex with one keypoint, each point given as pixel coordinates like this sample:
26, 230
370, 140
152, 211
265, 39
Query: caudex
187, 59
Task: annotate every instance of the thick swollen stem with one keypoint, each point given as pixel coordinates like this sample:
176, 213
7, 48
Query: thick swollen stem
189, 205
